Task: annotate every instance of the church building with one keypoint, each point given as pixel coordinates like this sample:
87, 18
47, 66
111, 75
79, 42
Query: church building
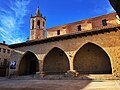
38, 25
84, 49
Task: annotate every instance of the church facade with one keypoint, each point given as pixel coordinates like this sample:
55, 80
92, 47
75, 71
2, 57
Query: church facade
89, 47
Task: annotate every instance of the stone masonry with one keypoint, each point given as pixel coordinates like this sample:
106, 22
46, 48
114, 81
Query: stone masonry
89, 48
108, 41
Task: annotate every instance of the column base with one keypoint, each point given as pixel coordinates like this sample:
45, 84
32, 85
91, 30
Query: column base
42, 74
72, 73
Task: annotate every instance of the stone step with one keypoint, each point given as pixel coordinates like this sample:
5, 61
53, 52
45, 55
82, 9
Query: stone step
64, 77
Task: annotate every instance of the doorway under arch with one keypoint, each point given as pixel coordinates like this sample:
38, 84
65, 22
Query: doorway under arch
29, 64
92, 59
56, 62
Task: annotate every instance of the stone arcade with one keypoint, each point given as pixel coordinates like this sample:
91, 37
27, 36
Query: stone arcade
89, 47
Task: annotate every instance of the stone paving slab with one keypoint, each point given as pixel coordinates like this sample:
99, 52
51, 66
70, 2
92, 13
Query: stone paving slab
59, 85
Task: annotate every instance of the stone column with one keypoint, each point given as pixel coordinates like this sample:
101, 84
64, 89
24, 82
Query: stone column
71, 63
41, 72
71, 72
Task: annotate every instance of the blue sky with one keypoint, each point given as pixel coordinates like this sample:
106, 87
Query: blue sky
15, 15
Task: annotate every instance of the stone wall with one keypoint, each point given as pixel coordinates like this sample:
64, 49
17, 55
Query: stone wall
88, 24
109, 42
6, 54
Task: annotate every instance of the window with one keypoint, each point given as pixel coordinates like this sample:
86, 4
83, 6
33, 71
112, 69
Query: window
0, 49
4, 50
79, 28
104, 22
43, 24
32, 24
5, 62
58, 32
8, 51
38, 24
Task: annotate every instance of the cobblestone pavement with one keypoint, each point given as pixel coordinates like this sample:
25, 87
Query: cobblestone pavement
6, 84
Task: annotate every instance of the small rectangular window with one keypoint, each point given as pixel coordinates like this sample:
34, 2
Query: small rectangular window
58, 32
8, 51
104, 22
79, 28
0, 49
5, 61
4, 50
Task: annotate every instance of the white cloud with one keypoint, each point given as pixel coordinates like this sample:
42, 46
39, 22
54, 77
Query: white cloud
12, 20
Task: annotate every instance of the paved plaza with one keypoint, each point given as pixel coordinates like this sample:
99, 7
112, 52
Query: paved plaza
6, 84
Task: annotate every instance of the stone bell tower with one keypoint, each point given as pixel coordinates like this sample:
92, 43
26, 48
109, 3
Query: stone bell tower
37, 26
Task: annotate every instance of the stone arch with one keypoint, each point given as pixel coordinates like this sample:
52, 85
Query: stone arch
32, 24
43, 24
92, 59
38, 24
56, 62
29, 64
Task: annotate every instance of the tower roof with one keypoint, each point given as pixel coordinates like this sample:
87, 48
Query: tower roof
37, 12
